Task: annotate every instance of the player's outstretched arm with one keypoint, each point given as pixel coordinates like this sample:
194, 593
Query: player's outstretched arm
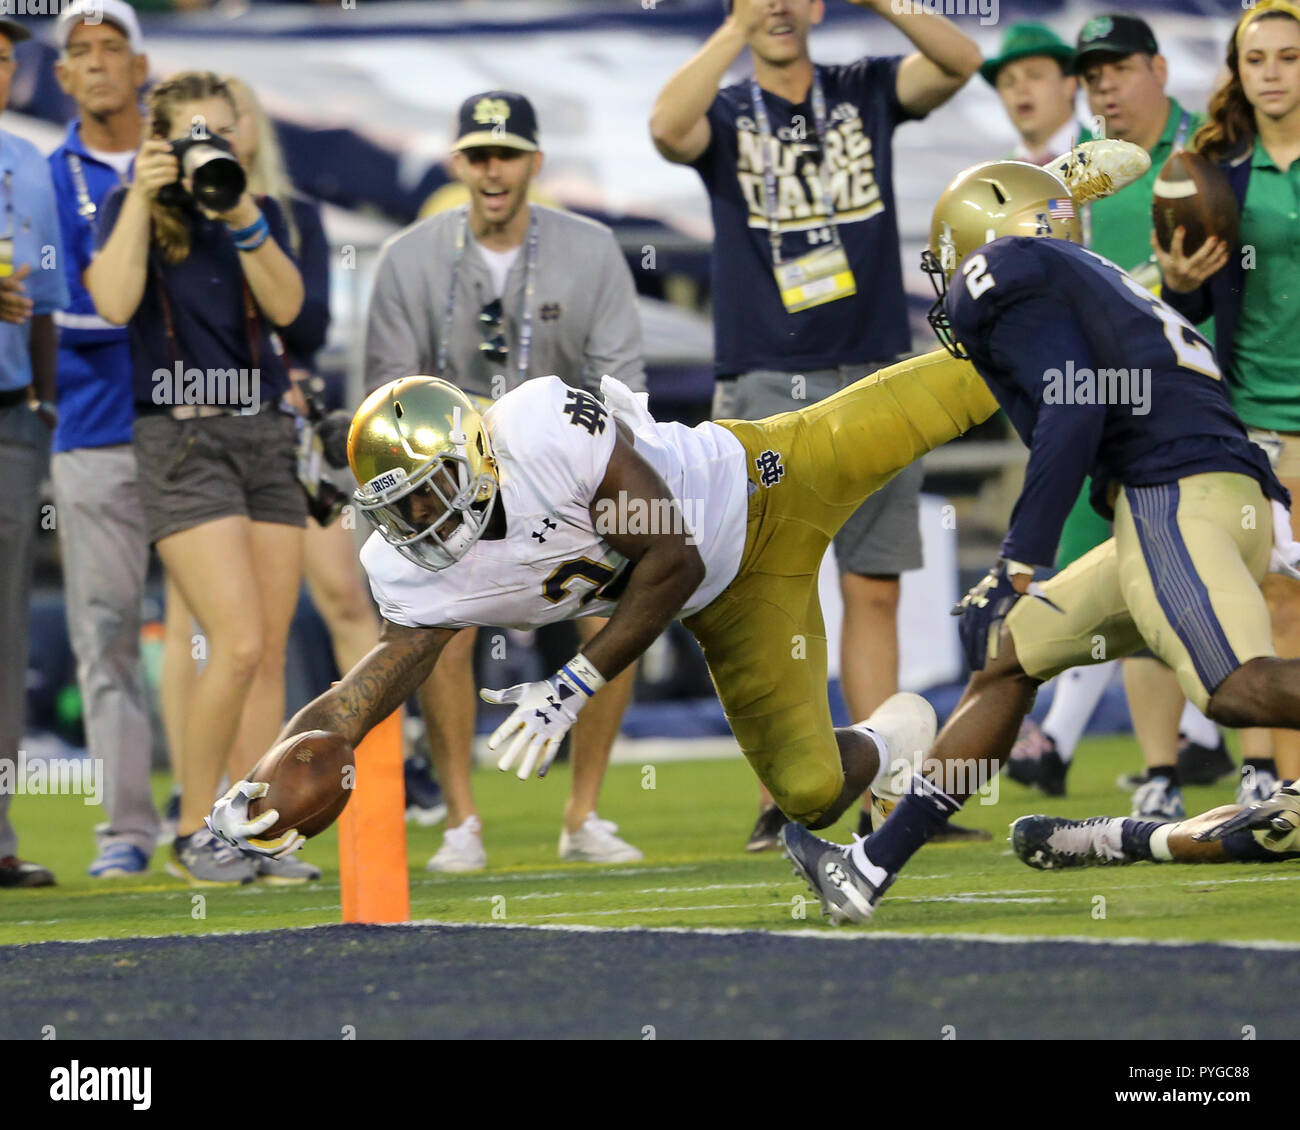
391, 672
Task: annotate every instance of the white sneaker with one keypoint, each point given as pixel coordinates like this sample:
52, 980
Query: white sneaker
462, 849
1097, 169
1156, 799
595, 842
907, 724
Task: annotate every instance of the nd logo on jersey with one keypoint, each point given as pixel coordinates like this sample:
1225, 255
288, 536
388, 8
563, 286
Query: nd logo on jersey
847, 159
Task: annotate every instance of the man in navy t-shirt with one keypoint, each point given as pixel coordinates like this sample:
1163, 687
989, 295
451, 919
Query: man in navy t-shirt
807, 287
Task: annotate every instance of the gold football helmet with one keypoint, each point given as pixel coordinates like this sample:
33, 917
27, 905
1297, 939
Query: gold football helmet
428, 482
987, 202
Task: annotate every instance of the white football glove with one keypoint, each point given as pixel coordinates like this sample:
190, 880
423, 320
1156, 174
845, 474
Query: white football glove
229, 822
542, 715
1286, 550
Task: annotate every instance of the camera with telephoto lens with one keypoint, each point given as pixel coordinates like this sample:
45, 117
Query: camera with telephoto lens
217, 178
317, 443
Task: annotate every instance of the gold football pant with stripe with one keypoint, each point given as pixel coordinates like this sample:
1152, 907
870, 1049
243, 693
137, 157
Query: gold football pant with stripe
809, 471
1181, 576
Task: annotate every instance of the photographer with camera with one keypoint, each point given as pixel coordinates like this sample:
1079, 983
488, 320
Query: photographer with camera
200, 271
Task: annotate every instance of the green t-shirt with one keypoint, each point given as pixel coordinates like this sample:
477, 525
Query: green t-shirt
1264, 376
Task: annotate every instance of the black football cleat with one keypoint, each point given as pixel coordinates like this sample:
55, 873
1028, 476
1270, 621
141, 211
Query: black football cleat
1204, 765
1051, 773
766, 827
1035, 762
847, 894
1049, 843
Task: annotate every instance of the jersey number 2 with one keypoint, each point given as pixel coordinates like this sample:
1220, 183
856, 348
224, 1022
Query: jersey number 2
978, 279
1191, 354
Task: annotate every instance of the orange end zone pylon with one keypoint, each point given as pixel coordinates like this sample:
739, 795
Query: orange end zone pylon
373, 879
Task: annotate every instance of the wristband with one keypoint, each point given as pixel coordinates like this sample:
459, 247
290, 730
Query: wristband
580, 672
253, 236
1015, 569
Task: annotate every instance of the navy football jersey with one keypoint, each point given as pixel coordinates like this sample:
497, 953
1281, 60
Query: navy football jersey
1098, 377
752, 329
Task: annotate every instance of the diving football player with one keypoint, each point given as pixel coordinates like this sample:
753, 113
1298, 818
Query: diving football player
553, 504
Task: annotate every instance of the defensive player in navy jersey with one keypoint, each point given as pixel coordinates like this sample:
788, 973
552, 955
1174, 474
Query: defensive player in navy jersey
1098, 377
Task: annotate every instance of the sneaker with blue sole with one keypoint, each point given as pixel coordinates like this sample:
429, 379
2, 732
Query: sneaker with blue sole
117, 860
847, 883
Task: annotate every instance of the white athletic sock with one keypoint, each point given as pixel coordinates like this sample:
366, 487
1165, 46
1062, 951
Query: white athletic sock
1160, 843
1078, 691
884, 772
1197, 727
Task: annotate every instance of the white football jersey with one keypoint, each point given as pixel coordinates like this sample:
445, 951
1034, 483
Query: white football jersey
552, 444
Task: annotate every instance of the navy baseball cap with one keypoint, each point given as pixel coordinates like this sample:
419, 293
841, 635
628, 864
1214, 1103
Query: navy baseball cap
497, 117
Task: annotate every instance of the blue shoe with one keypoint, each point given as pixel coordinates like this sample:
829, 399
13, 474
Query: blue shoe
117, 860
847, 883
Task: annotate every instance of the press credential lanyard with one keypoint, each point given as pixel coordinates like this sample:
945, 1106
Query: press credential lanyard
816, 277
530, 281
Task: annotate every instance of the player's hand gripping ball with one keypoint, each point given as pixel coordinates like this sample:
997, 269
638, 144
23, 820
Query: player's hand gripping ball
230, 821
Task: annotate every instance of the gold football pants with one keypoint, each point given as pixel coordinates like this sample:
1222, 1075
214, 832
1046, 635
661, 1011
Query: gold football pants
809, 470
1181, 576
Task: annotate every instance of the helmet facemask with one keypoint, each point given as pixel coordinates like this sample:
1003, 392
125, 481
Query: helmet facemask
466, 504
940, 269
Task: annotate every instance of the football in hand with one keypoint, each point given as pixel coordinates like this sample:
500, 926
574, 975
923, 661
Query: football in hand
310, 777
1192, 193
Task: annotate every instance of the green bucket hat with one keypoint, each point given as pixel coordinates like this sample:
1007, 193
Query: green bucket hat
1024, 39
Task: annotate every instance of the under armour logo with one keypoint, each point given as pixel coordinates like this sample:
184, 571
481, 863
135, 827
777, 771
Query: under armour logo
835, 874
585, 411
550, 312
547, 527
770, 469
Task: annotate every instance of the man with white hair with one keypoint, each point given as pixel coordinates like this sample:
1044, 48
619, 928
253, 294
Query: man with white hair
102, 66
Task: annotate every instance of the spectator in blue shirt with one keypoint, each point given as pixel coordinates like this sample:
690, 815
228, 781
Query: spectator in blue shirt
202, 292
102, 541
807, 282
32, 288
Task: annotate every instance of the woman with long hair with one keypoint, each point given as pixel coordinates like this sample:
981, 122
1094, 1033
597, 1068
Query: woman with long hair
202, 292
1253, 291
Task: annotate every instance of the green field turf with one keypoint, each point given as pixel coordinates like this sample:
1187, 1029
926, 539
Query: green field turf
691, 826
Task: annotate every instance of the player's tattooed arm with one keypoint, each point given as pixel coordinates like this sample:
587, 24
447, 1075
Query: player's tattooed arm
665, 567
391, 672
